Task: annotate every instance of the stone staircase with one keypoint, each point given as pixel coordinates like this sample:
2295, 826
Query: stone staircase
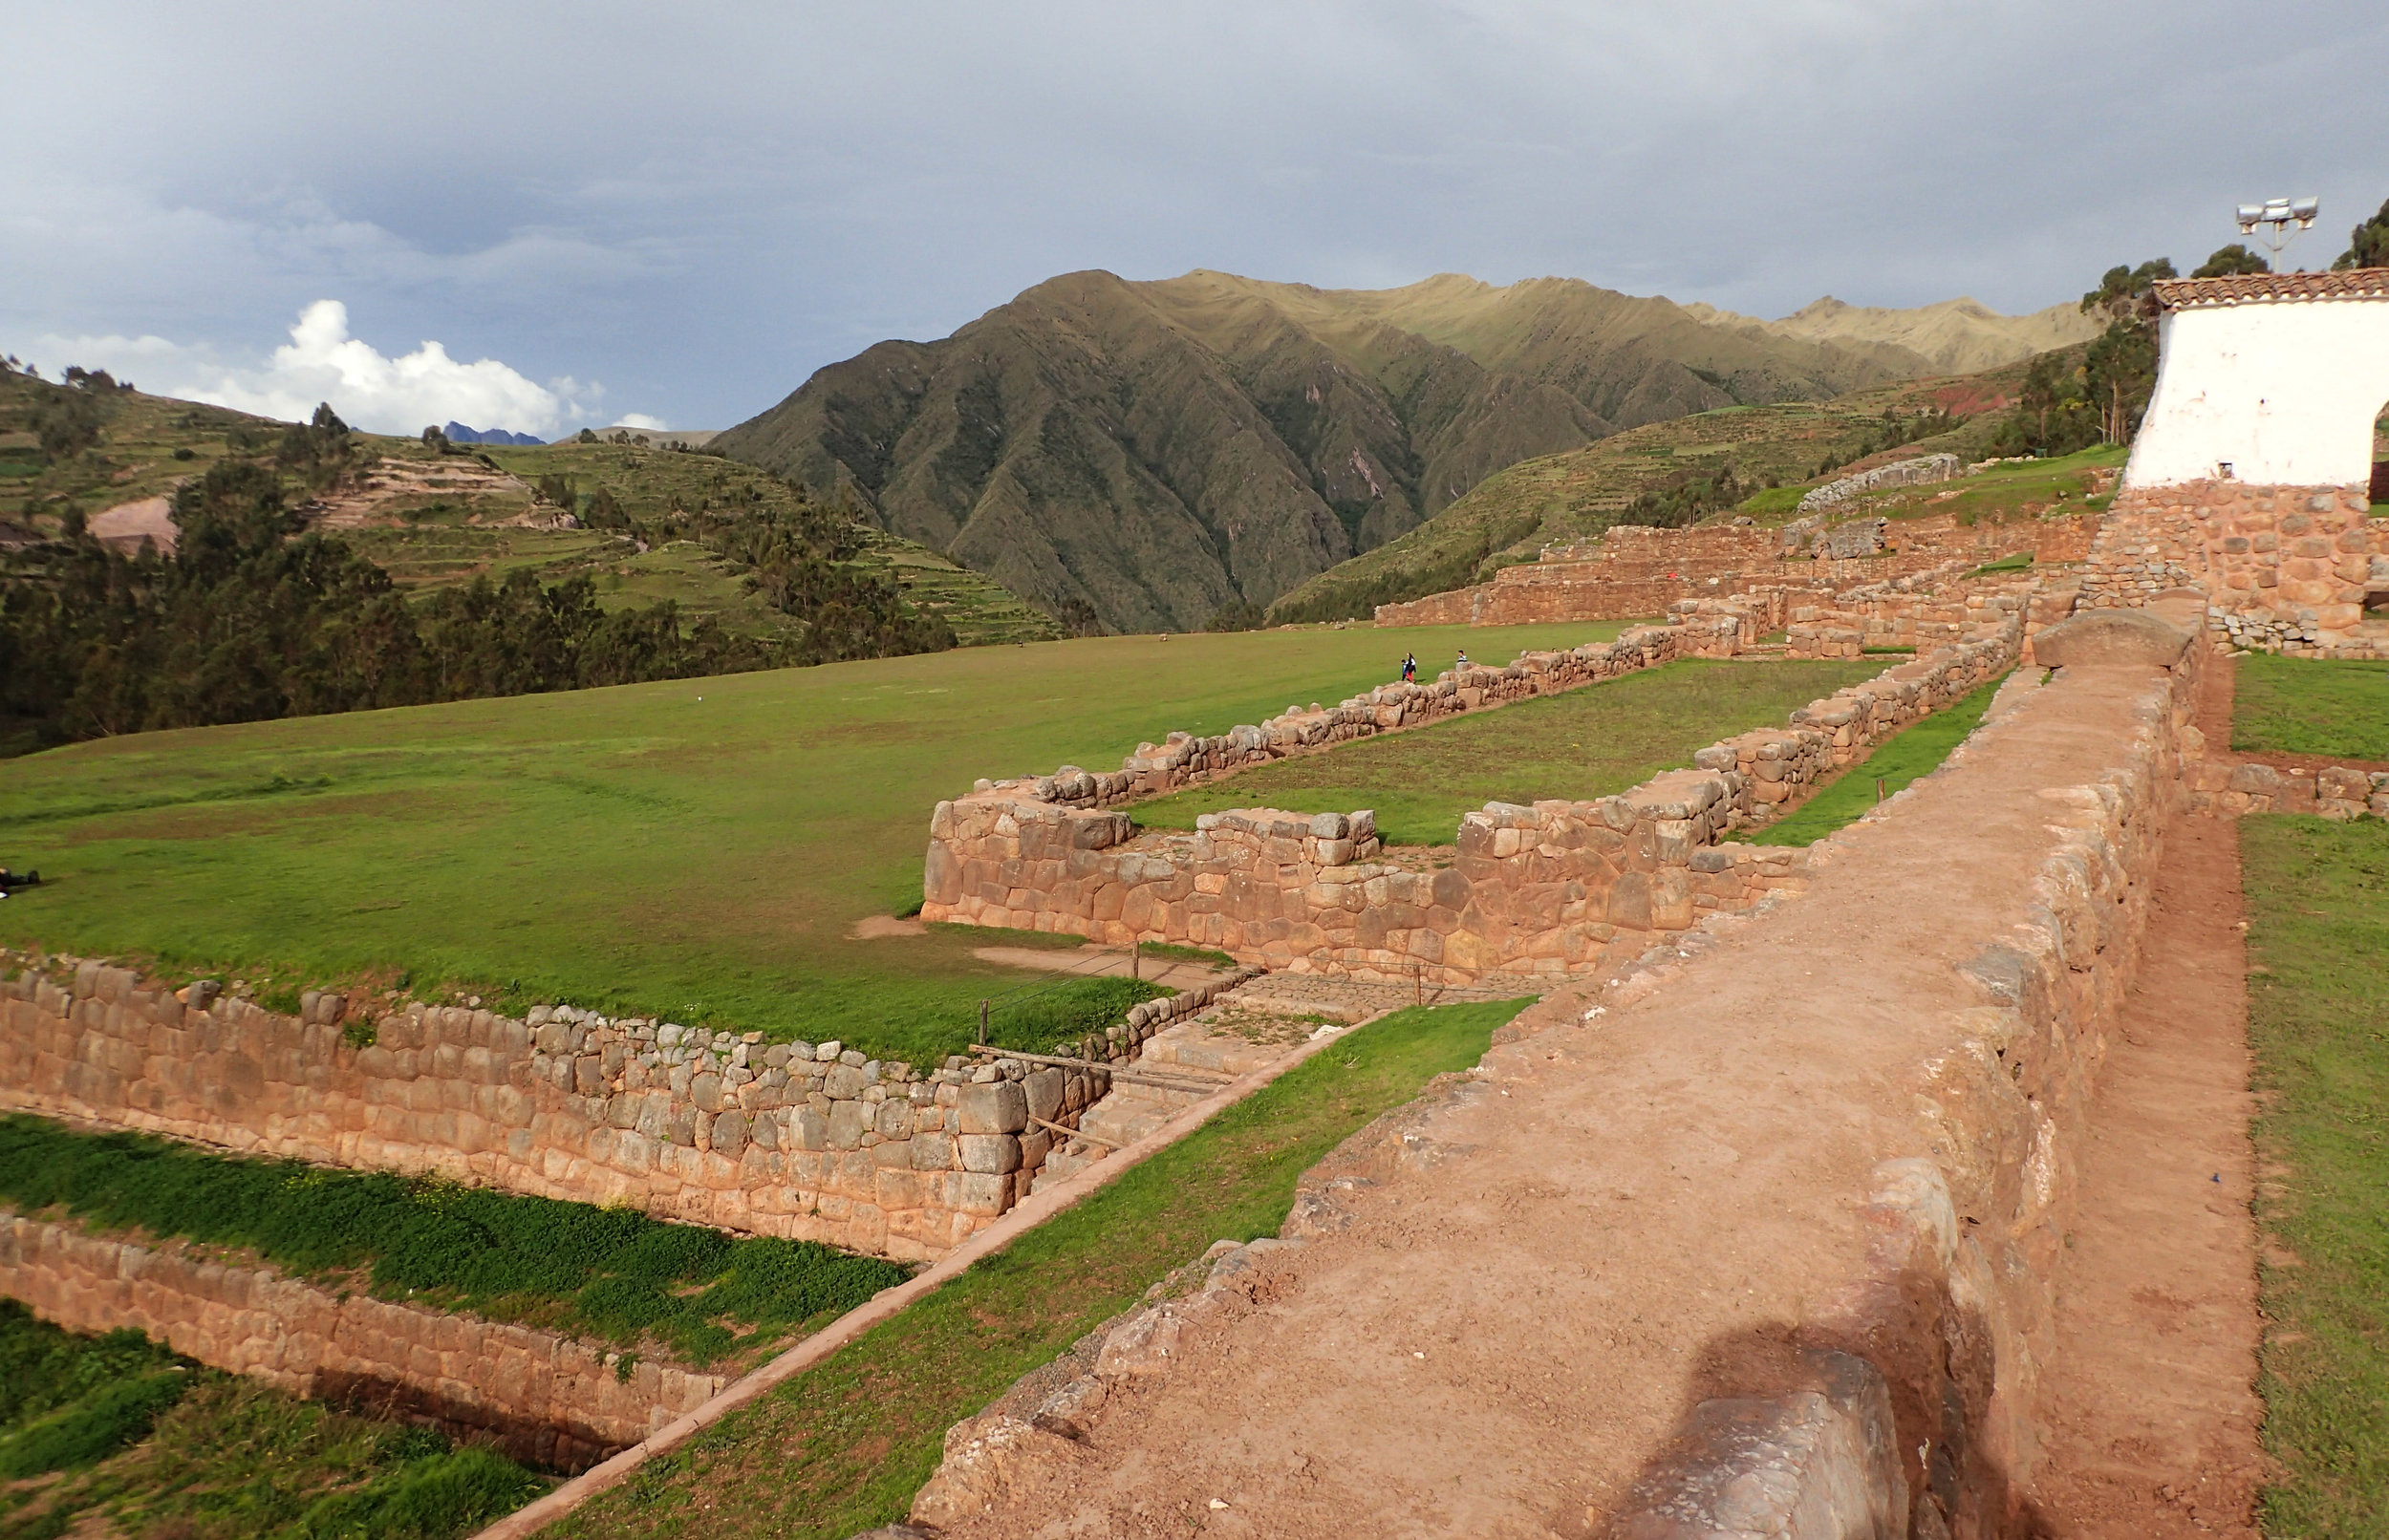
1180, 1066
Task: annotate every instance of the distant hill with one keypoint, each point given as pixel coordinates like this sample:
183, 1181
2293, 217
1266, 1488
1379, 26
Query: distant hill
457, 433
1143, 455
659, 437
1956, 336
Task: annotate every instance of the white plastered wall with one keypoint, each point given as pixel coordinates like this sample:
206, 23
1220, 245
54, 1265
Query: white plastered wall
2284, 392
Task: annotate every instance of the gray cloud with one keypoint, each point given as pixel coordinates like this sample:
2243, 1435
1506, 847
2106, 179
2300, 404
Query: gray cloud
699, 204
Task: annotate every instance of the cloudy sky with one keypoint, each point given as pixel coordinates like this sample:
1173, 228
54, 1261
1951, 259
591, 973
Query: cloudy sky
536, 215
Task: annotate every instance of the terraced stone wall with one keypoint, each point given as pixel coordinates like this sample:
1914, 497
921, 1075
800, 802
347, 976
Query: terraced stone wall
813, 1142
548, 1399
1183, 759
1538, 888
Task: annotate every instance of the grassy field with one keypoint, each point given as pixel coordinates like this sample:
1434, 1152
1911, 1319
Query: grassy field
608, 1275
1914, 751
2295, 705
2317, 898
115, 1435
1586, 743
696, 849
844, 1445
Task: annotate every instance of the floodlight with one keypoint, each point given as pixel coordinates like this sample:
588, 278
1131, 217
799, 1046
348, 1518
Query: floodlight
2277, 214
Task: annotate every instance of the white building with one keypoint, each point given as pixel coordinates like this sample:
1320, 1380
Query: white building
2273, 379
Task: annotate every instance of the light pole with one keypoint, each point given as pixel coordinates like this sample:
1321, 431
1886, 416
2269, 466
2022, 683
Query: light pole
2275, 216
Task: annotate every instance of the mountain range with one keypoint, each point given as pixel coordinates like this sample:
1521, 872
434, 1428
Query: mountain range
457, 432
1143, 455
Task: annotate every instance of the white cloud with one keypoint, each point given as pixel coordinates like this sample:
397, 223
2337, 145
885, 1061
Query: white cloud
640, 419
322, 362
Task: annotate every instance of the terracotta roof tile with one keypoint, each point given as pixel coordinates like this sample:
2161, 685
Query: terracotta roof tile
2200, 293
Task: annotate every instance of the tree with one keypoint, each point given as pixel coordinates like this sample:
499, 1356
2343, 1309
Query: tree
2125, 290
2118, 375
2230, 261
2368, 244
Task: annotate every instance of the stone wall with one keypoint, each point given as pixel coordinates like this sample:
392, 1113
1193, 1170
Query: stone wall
813, 1142
1634, 571
2220, 788
1926, 612
1916, 472
2286, 569
1183, 759
548, 1399
1527, 889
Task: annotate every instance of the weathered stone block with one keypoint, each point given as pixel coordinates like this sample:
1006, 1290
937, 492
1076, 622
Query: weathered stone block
998, 1108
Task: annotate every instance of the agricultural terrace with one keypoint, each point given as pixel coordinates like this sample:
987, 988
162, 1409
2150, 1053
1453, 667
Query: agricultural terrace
679, 1291
696, 849
843, 1447
118, 1426
1578, 745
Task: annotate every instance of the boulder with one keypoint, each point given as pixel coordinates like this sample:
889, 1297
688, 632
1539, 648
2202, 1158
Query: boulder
2111, 636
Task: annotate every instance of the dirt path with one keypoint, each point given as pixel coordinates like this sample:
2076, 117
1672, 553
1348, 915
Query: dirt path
1631, 1214
2148, 1408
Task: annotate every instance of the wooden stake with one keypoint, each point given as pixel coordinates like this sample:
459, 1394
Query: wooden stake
982, 1021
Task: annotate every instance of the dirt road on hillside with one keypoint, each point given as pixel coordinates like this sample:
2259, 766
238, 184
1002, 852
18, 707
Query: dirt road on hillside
1631, 1214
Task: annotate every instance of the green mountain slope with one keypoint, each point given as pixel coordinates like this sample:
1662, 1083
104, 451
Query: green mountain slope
1141, 455
1580, 492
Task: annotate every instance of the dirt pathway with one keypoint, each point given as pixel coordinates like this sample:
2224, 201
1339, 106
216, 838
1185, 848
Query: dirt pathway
2148, 1408
1628, 1216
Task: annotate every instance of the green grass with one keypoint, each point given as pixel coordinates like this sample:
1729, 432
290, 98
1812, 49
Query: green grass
2325, 707
2059, 485
1914, 751
2018, 562
610, 1273
1585, 744
843, 1447
1172, 951
164, 1447
693, 849
2317, 896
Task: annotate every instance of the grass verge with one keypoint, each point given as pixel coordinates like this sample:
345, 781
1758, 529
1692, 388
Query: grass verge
1585, 744
609, 1273
1915, 751
2296, 705
843, 1447
2317, 895
118, 1426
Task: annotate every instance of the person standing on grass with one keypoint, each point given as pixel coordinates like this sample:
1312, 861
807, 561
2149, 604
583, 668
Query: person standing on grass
1461, 666
1410, 667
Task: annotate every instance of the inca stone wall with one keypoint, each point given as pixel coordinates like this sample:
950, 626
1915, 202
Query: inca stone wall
1917, 472
813, 1142
1183, 759
2286, 569
1528, 889
1632, 572
548, 1399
